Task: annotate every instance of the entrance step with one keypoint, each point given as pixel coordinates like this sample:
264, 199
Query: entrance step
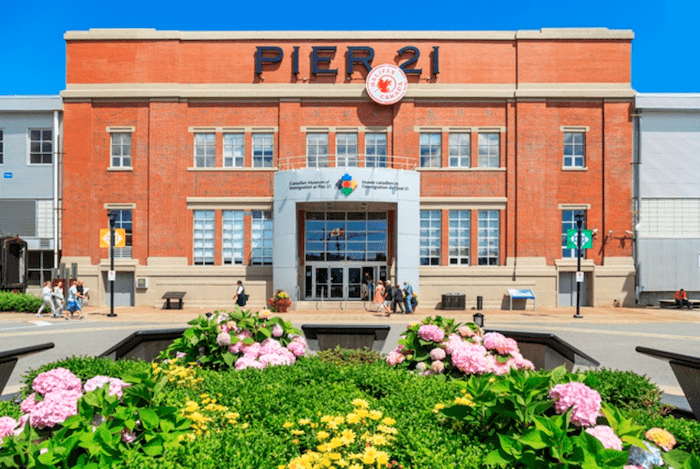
331, 305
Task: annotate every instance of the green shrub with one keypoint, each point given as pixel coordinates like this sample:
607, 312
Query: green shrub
19, 302
627, 390
342, 356
686, 432
10, 409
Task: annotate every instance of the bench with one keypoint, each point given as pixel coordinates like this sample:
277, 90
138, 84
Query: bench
522, 294
687, 371
328, 336
547, 351
667, 303
144, 345
174, 295
9, 358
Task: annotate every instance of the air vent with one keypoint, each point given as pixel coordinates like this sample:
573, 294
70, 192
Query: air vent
44, 243
142, 282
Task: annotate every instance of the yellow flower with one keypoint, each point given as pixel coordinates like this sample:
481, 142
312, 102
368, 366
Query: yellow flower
288, 424
360, 403
297, 432
388, 421
349, 435
353, 418
322, 435
244, 426
375, 414
386, 429
304, 421
465, 400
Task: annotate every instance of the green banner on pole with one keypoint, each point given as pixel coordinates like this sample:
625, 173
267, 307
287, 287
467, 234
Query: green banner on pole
572, 239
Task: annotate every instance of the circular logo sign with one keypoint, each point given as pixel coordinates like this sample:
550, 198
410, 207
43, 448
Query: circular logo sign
386, 84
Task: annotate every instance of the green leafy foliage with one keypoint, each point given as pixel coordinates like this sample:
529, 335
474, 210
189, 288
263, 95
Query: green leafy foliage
342, 356
626, 390
19, 302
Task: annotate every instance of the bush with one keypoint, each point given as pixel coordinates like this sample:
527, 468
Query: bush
627, 390
342, 356
19, 302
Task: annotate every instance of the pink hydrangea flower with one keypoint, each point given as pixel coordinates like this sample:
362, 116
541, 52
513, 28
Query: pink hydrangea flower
128, 436
662, 438
115, 385
252, 350
277, 330
395, 357
470, 358
437, 367
606, 435
437, 354
421, 367
297, 348
466, 331
58, 379
223, 339
180, 355
503, 345
248, 362
56, 407
265, 314
585, 402
222, 317
431, 332
7, 426
453, 342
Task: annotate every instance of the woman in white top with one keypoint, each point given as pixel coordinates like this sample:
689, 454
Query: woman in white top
47, 296
58, 298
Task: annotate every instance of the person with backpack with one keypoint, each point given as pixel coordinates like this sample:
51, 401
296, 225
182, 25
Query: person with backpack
396, 296
240, 297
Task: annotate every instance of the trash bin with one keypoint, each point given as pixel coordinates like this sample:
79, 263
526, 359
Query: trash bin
453, 301
479, 303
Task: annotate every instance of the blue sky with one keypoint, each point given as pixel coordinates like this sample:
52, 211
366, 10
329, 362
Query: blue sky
664, 51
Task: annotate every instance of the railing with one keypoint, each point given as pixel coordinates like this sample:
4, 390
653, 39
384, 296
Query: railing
408, 163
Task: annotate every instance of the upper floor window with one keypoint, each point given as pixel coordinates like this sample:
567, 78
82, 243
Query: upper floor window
430, 229
375, 150
346, 149
489, 150
460, 150
261, 238
121, 149
568, 222
1, 146
123, 221
317, 150
205, 150
232, 237
489, 234
459, 237
203, 238
430, 150
574, 149
233, 150
40, 146
262, 150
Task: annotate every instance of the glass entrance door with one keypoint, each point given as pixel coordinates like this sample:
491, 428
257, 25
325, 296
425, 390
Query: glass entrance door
324, 282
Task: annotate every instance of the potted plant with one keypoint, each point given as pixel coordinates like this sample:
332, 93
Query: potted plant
280, 301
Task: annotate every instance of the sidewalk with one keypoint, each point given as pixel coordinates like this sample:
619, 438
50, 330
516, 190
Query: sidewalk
593, 315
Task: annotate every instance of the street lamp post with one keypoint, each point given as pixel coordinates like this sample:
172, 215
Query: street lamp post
112, 218
579, 223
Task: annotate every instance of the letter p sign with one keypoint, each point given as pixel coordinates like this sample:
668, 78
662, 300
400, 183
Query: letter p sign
268, 55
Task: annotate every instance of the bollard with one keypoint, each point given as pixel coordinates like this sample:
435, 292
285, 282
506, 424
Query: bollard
479, 303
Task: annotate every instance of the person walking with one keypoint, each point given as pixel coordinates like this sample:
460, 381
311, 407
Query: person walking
370, 290
379, 294
240, 297
396, 296
58, 299
408, 298
73, 306
47, 297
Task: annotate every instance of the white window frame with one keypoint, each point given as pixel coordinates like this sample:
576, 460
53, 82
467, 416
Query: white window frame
459, 237
489, 153
261, 237
234, 150
460, 151
345, 157
319, 158
2, 146
232, 237
430, 237
204, 233
488, 243
121, 157
128, 226
264, 144
573, 157
566, 224
375, 152
430, 152
206, 146
41, 143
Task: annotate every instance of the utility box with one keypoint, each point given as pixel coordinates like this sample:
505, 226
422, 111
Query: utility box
453, 301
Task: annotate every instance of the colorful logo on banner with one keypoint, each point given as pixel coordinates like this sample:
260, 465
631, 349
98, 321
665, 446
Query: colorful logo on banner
346, 184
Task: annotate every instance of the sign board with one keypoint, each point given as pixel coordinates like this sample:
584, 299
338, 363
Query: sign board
111, 275
579, 277
119, 238
572, 239
521, 294
7, 174
386, 84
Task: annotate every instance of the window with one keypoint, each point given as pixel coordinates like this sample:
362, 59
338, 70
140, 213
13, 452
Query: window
489, 150
233, 150
204, 150
488, 237
574, 149
1, 146
232, 237
568, 222
430, 237
121, 149
459, 237
40, 146
460, 150
39, 265
346, 149
262, 150
430, 150
317, 150
375, 150
203, 237
261, 238
341, 236
123, 221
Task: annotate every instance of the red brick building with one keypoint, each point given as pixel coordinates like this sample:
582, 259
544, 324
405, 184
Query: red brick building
223, 156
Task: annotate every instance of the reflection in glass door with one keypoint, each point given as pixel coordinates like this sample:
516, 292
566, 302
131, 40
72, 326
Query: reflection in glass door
354, 283
334, 283
337, 283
